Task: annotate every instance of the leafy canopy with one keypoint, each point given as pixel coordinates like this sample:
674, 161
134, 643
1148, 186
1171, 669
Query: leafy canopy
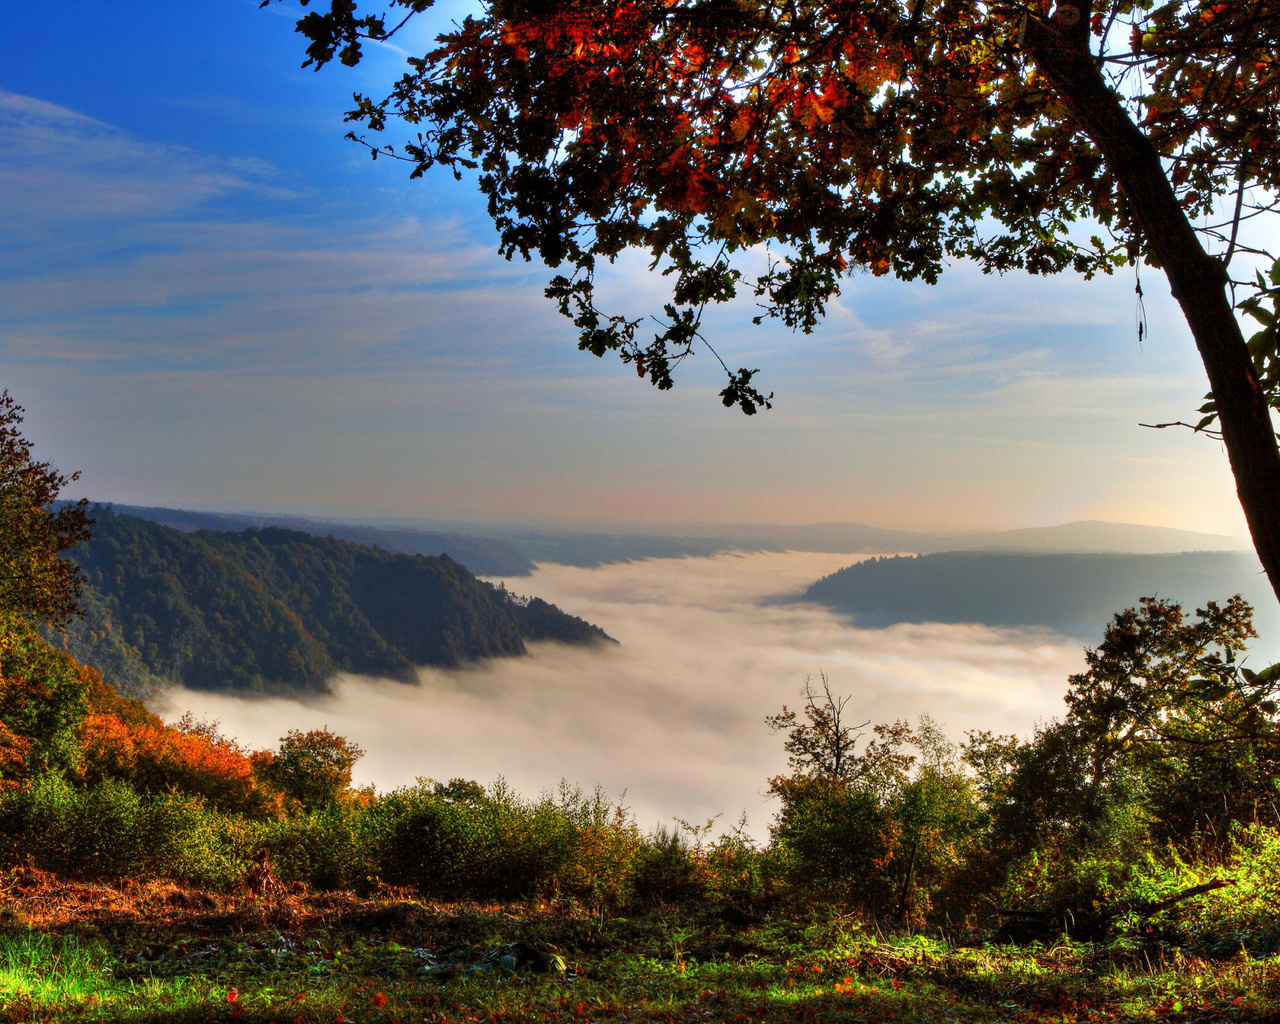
36, 586
1166, 722
889, 135
313, 768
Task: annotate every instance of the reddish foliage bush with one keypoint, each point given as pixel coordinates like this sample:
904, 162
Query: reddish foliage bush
188, 758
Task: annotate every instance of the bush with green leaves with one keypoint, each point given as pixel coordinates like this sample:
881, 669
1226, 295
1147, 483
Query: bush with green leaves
834, 841
110, 831
740, 875
450, 843
335, 847
1083, 879
1243, 914
664, 870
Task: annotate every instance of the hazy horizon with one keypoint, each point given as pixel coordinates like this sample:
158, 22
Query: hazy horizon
622, 526
222, 303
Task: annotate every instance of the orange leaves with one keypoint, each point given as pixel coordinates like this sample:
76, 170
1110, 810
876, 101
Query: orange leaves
869, 75
577, 32
109, 747
689, 184
14, 750
691, 58
815, 108
159, 758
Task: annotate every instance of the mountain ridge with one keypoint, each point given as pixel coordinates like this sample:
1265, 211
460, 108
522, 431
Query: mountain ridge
511, 551
276, 610
1070, 592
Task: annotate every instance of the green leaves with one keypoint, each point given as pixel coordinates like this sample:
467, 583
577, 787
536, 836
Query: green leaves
36, 585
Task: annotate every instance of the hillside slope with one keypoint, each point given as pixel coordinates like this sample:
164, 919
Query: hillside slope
1075, 593
280, 610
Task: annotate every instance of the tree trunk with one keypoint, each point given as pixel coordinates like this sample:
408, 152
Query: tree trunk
1198, 281
904, 896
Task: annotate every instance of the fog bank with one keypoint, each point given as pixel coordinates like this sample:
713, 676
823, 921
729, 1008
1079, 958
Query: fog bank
674, 716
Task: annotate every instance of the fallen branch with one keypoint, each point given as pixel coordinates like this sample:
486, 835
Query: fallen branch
1155, 906
1090, 926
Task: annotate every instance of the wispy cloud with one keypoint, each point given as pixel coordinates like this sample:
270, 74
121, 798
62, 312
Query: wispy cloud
136, 256
60, 167
200, 329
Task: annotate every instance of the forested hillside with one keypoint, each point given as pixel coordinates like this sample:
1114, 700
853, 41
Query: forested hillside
280, 610
1076, 593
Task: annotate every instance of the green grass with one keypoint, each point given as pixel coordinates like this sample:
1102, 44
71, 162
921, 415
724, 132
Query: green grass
461, 965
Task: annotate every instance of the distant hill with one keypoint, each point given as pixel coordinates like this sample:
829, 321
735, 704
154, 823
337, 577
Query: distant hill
511, 551
267, 610
1090, 535
592, 549
1081, 536
1074, 593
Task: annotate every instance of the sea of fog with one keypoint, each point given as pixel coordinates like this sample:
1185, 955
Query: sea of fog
674, 716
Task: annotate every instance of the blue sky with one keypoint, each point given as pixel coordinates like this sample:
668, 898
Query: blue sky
209, 299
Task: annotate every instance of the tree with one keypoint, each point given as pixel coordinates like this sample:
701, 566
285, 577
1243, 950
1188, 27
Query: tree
1165, 721
313, 767
36, 586
887, 135
880, 826
42, 690
1169, 702
823, 745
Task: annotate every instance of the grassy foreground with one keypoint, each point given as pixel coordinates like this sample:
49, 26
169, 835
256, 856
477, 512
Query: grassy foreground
152, 951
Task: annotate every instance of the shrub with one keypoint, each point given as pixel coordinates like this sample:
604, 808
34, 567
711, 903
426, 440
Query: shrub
605, 841
1078, 877
1244, 914
737, 870
665, 870
193, 758
111, 831
496, 846
834, 841
332, 848
446, 840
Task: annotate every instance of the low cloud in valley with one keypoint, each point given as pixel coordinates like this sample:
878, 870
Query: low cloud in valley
674, 715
